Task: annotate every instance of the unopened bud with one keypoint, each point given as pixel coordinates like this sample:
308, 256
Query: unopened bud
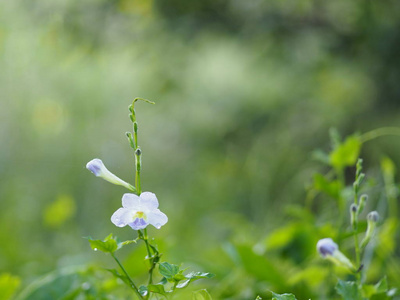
373, 216
372, 219
97, 167
353, 216
328, 249
361, 205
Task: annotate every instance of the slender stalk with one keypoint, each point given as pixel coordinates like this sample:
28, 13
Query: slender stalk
341, 202
133, 286
373, 134
138, 166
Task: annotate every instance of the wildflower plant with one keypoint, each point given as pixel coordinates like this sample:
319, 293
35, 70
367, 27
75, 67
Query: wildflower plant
355, 289
140, 209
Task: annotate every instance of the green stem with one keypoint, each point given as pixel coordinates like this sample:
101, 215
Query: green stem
373, 134
341, 202
133, 286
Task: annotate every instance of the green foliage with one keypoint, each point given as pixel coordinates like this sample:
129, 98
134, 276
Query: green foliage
172, 273
8, 285
369, 290
348, 290
283, 296
201, 295
346, 154
109, 245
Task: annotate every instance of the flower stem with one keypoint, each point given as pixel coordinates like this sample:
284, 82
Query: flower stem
132, 284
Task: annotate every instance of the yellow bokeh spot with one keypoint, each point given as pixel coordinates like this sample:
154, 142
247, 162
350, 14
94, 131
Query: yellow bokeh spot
48, 117
59, 211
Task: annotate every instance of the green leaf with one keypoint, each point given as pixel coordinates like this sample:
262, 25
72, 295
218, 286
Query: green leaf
382, 286
330, 188
8, 285
258, 298
368, 290
143, 290
201, 295
346, 153
198, 275
348, 290
168, 270
283, 296
108, 245
122, 244
157, 288
193, 276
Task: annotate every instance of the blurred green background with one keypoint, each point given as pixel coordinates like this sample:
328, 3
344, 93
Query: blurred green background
244, 92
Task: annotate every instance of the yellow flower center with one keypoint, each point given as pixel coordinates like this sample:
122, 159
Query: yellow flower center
140, 215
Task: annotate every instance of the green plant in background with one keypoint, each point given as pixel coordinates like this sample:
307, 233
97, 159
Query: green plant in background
355, 289
139, 209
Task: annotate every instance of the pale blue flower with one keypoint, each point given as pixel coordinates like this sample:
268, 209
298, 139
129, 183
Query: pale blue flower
326, 247
97, 167
139, 211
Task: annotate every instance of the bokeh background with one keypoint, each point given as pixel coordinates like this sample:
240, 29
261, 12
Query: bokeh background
244, 92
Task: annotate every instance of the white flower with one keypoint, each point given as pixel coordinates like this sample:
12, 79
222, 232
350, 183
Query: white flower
97, 167
139, 211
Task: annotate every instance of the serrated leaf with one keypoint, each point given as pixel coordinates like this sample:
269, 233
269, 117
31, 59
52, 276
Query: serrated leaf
283, 296
168, 270
157, 288
201, 295
108, 245
348, 290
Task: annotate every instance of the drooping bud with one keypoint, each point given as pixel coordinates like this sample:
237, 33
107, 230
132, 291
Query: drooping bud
372, 219
361, 205
328, 249
353, 216
97, 167
373, 216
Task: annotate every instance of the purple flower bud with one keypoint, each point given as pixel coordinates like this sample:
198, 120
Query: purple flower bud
326, 247
373, 216
95, 166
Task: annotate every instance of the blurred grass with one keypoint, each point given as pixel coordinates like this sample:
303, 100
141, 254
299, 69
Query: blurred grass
244, 93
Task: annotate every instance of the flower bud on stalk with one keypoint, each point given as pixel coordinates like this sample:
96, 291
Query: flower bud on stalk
361, 206
97, 167
328, 249
353, 216
372, 219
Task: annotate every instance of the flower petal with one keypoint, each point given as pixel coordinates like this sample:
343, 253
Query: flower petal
157, 218
138, 223
122, 217
130, 201
149, 200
